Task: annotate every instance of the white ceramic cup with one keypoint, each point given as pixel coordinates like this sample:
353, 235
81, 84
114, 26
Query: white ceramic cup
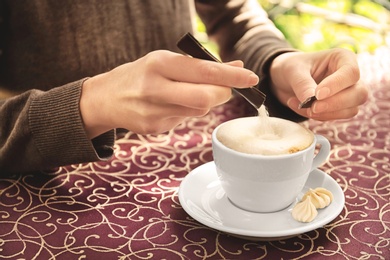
266, 183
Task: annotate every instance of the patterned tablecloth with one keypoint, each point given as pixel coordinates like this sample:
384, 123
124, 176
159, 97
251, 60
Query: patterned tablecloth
128, 207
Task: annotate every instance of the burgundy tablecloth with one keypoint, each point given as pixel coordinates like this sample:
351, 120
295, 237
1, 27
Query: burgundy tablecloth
128, 208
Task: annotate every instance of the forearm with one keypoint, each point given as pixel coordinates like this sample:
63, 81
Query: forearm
243, 31
41, 130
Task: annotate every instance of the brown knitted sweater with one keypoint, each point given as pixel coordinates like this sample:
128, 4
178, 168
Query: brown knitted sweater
49, 47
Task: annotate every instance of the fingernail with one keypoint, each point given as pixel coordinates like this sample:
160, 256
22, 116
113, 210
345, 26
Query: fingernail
322, 93
253, 79
311, 114
239, 62
290, 102
320, 107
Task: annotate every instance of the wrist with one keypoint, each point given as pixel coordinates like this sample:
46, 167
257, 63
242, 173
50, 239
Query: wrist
92, 108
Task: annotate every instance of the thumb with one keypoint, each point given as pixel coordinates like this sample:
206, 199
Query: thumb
303, 85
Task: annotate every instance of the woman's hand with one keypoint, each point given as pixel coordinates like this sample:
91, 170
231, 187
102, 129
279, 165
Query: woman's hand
155, 93
331, 75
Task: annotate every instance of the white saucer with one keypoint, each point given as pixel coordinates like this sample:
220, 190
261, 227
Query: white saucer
202, 197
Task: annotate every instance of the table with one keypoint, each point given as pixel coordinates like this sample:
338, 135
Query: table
128, 207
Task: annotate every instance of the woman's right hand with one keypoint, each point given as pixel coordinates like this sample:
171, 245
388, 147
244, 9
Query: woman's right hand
157, 92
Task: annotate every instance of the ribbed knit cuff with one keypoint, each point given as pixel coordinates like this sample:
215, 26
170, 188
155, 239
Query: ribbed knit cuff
58, 132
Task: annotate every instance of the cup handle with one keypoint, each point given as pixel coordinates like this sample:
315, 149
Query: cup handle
323, 152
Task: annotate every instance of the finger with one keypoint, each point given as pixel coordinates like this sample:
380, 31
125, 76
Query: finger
180, 111
303, 85
346, 73
158, 127
293, 104
196, 96
158, 119
347, 98
222, 75
339, 114
168, 124
187, 69
176, 111
302, 88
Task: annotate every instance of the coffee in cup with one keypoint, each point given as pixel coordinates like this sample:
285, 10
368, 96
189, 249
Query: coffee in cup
273, 136
263, 162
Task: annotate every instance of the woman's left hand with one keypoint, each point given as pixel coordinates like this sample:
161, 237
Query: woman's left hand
331, 75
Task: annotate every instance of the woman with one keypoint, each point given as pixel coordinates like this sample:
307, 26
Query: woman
82, 69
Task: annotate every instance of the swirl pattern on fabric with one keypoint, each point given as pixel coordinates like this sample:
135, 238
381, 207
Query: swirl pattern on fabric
128, 208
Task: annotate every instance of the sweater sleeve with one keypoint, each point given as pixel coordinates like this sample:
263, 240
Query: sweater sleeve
43, 130
243, 31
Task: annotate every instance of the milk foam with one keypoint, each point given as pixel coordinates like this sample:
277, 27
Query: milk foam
264, 135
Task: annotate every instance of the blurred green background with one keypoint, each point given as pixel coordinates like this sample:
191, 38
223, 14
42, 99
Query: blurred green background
310, 25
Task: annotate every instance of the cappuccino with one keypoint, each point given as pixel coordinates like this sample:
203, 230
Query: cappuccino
264, 135
255, 181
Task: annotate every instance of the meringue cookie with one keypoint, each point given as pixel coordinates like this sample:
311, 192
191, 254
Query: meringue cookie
304, 211
320, 197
